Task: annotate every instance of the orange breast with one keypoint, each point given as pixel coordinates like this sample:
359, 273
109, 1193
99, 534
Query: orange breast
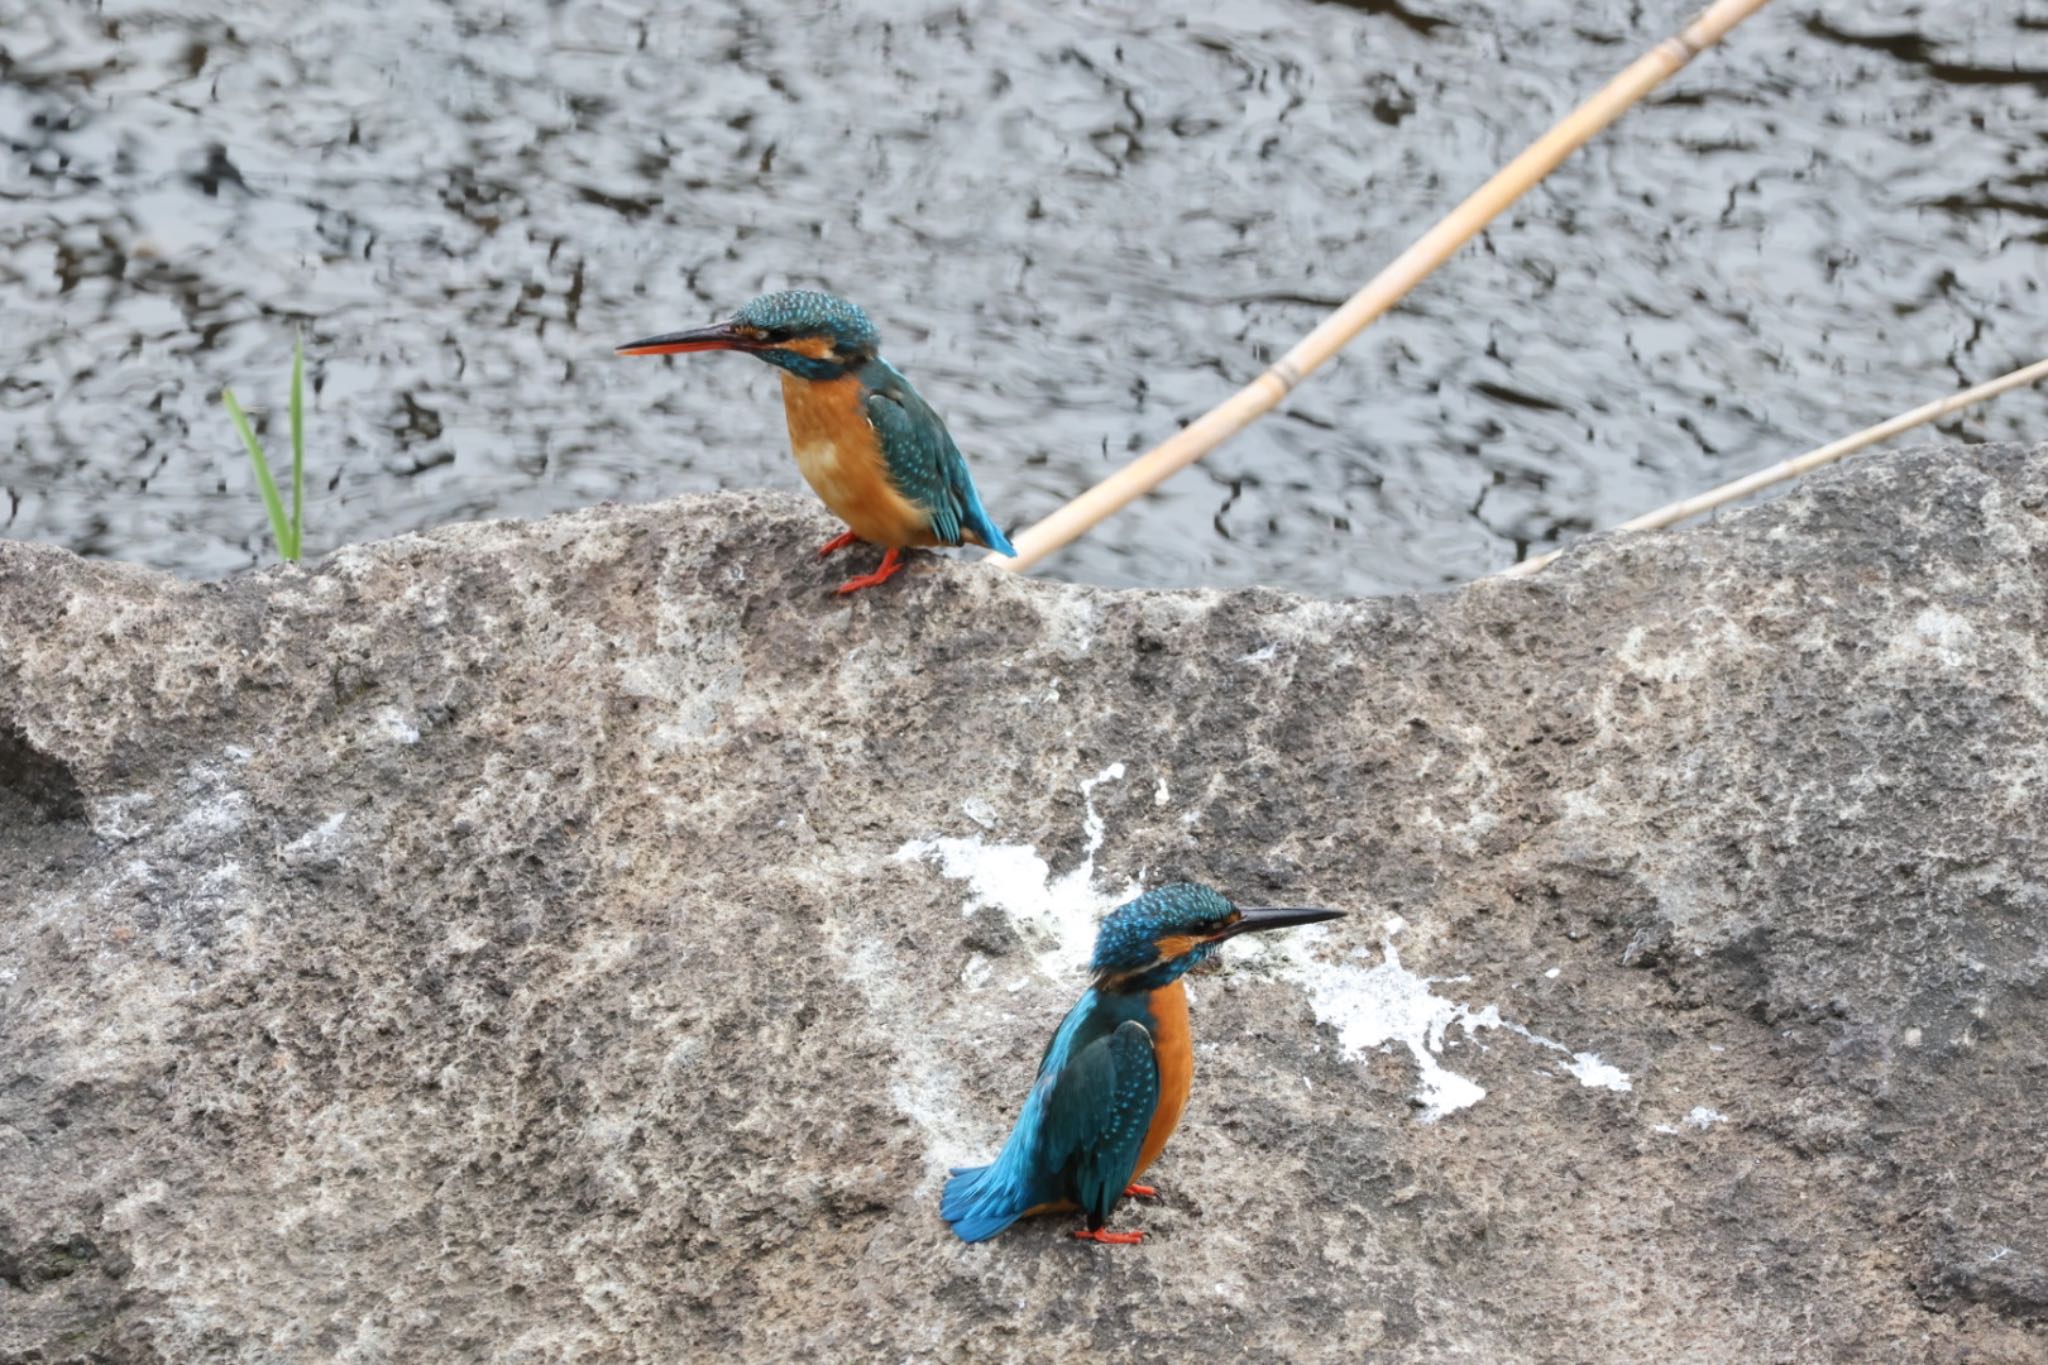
1174, 1047
841, 460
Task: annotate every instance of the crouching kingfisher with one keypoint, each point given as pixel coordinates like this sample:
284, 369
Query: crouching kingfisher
866, 442
1115, 1077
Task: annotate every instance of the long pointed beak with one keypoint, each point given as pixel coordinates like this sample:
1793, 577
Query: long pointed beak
1251, 921
719, 336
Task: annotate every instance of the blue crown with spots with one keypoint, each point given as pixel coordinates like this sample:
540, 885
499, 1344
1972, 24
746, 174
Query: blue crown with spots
806, 312
1129, 937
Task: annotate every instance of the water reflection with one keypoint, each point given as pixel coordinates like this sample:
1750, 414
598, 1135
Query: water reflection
1078, 226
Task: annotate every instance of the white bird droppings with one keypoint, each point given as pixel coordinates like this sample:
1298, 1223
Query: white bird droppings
1013, 878
1370, 1007
1591, 1071
1369, 1004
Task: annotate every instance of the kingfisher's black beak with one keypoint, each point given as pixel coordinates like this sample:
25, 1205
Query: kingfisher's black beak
1251, 921
719, 336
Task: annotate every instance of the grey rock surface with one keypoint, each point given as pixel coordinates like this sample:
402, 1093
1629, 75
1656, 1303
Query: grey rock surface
589, 939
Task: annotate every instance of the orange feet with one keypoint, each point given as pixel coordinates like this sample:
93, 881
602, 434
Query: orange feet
1140, 1192
891, 562
1122, 1239
837, 543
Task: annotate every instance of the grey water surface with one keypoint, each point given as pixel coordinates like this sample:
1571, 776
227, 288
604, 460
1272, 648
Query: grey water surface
1077, 225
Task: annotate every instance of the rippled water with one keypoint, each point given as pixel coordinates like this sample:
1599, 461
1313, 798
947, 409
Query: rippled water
1077, 225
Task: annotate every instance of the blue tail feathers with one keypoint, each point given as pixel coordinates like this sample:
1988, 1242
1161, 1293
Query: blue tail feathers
982, 524
978, 1207
997, 541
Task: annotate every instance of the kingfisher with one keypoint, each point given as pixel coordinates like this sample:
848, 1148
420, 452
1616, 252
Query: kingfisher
1114, 1078
866, 441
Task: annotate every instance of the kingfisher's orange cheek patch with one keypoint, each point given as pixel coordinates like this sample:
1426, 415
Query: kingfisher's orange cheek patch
817, 348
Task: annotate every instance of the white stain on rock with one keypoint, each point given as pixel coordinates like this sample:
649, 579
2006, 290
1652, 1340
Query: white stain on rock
321, 840
1591, 1071
1374, 1006
927, 1094
1059, 912
1370, 1005
1699, 1120
1937, 634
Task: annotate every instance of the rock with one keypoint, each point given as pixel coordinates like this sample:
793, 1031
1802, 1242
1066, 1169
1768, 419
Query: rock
590, 937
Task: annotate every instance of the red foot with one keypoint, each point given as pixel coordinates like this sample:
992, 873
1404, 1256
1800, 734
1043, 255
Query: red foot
837, 543
1104, 1235
891, 562
1140, 1192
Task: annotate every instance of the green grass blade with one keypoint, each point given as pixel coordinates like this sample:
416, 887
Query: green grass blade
298, 445
280, 530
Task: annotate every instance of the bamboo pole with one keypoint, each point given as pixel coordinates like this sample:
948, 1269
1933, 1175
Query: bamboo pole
1385, 289
1812, 459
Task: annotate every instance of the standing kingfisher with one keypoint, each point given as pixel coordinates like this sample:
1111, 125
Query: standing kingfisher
869, 445
1115, 1077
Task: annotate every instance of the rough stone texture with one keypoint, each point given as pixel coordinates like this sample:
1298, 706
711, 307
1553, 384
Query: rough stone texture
493, 944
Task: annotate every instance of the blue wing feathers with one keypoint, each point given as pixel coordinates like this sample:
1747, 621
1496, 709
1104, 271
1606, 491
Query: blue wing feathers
924, 463
1079, 1134
980, 1201
1099, 1111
